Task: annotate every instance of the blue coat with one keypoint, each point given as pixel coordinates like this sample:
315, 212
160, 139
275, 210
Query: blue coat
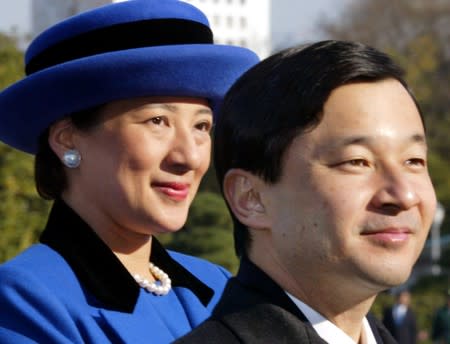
71, 288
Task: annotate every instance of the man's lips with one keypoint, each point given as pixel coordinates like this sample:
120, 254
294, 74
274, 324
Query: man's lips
389, 235
175, 190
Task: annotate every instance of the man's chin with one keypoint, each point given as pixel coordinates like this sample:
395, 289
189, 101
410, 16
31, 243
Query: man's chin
395, 279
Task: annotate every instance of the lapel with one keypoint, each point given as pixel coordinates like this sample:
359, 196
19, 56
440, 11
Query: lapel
381, 334
267, 323
100, 271
269, 316
257, 310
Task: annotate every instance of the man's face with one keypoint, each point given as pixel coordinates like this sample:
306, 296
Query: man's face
404, 298
355, 202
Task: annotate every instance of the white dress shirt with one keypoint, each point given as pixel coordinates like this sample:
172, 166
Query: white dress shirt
329, 331
398, 313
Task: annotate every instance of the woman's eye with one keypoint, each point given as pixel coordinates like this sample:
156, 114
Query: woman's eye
156, 120
204, 126
416, 162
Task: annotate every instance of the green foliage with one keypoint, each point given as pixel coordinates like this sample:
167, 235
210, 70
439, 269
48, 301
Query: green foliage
420, 59
22, 212
11, 61
209, 209
209, 182
208, 232
439, 171
383, 300
426, 297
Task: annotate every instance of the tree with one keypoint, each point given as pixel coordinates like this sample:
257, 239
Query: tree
22, 212
11, 61
208, 232
390, 24
416, 32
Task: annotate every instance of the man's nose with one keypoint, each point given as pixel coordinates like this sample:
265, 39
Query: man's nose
396, 192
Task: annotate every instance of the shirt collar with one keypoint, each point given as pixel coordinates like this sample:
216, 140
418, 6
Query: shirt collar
329, 331
100, 271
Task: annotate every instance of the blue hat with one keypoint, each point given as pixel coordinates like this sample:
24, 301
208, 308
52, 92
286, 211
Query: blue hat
123, 50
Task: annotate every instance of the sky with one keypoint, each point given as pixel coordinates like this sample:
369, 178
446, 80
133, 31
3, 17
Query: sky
15, 14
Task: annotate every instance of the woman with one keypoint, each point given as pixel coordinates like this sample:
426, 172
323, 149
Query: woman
117, 106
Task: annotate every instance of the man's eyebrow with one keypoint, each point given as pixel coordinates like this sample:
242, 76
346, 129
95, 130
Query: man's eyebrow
367, 140
420, 138
355, 140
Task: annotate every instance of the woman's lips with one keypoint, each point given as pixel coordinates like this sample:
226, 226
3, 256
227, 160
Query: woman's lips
175, 191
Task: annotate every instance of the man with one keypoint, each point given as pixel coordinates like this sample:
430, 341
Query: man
400, 319
440, 332
321, 156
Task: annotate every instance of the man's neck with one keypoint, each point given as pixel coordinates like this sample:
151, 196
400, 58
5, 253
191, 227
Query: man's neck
341, 303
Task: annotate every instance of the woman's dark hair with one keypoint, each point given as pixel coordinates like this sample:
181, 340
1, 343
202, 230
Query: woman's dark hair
49, 174
282, 97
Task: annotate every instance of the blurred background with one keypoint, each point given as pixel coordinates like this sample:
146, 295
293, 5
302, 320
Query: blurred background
415, 32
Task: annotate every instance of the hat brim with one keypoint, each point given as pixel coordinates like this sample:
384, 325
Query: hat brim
198, 70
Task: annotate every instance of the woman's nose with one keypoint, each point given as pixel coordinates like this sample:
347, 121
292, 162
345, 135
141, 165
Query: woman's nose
185, 152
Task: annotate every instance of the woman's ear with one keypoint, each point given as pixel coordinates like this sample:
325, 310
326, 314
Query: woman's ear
60, 137
242, 191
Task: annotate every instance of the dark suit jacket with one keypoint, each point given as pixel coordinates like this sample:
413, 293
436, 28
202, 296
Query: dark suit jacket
254, 309
406, 331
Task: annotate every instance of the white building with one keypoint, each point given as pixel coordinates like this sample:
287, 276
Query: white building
45, 13
264, 26
261, 25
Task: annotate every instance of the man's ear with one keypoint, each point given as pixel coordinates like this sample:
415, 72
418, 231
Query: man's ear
242, 191
60, 137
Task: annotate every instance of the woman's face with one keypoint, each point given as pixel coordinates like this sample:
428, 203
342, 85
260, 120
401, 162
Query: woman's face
142, 164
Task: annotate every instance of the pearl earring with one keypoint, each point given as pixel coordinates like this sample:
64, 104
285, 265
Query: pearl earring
71, 158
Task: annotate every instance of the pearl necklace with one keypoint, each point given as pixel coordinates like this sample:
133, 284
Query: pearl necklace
161, 288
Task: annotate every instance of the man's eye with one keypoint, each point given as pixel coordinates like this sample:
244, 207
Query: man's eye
357, 162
